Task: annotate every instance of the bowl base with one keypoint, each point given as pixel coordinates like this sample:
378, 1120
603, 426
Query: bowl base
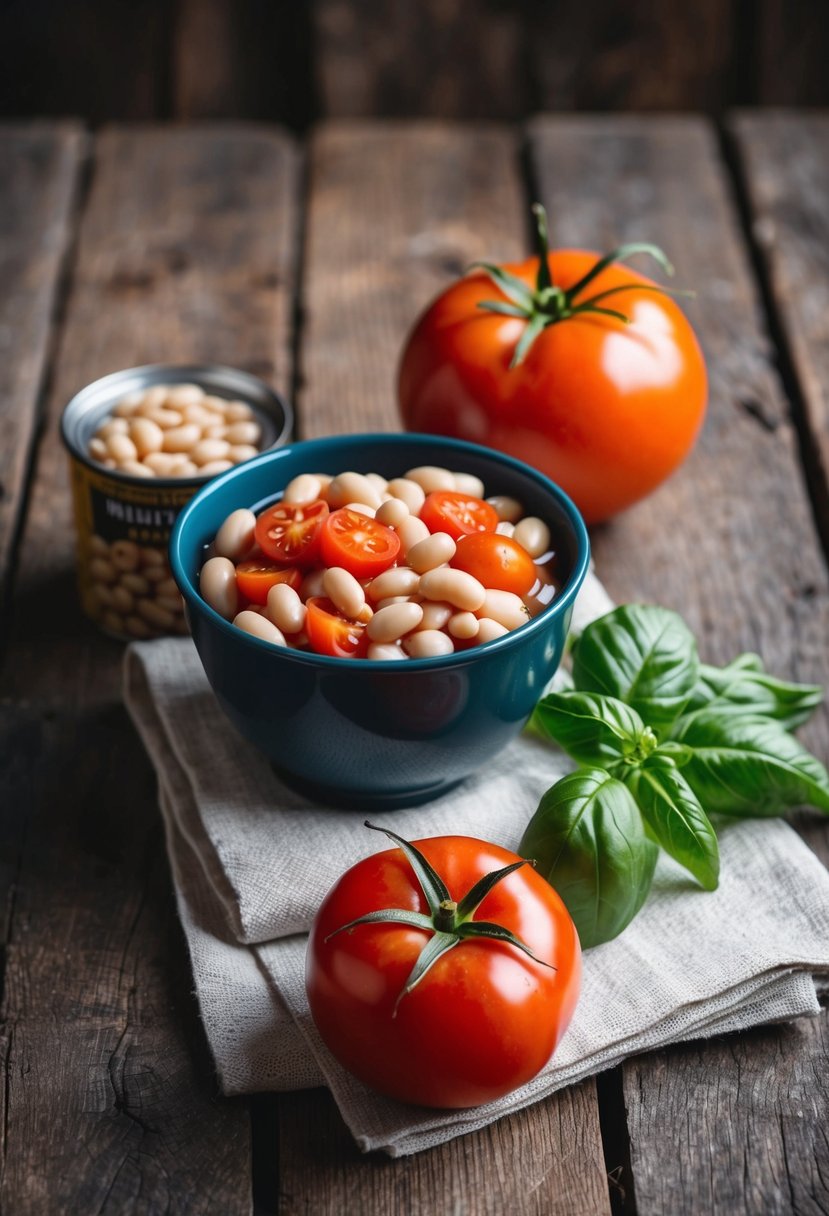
369, 800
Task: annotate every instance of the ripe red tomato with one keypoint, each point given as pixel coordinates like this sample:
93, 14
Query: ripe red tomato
330, 632
457, 514
496, 561
291, 534
485, 1017
358, 543
607, 401
257, 575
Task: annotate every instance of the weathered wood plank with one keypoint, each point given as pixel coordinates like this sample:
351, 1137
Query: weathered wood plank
396, 212
186, 251
545, 1161
729, 542
785, 162
614, 55
438, 58
242, 59
39, 169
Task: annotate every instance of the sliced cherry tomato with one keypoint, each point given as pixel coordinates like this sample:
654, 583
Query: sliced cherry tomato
358, 543
291, 534
458, 514
496, 561
257, 575
330, 632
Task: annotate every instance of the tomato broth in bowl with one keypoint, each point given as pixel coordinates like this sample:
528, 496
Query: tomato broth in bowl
355, 727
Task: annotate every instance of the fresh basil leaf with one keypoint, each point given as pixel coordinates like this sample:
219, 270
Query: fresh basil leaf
750, 766
591, 728
743, 687
642, 654
588, 840
676, 753
676, 818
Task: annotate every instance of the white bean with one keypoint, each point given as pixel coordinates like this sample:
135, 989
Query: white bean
506, 508
236, 411
121, 447
113, 621
434, 551
427, 644
455, 586
411, 532
361, 508
181, 438
533, 535
242, 451
260, 627
185, 394
380, 484
430, 477
214, 467
208, 450
311, 585
243, 432
155, 615
463, 625
352, 487
384, 651
236, 535
217, 583
286, 609
393, 622
137, 628
112, 426
392, 512
161, 463
303, 490
128, 405
135, 468
135, 583
391, 599
166, 419
186, 468
489, 630
125, 555
146, 435
408, 492
97, 448
468, 483
504, 528
504, 607
398, 580
342, 587
435, 615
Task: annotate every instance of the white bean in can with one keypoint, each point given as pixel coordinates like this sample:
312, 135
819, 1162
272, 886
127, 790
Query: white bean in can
125, 510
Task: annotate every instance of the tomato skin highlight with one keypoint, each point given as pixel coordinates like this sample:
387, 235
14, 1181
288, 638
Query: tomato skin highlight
485, 1018
607, 410
458, 514
330, 632
358, 543
256, 576
290, 533
496, 561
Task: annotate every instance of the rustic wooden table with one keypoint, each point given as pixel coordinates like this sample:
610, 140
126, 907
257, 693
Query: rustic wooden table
305, 264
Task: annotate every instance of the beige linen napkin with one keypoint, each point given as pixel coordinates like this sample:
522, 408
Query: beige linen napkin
252, 860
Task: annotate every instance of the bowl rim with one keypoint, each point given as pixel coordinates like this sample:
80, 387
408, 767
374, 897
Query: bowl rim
507, 641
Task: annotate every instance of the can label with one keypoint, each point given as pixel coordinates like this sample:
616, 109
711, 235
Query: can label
124, 578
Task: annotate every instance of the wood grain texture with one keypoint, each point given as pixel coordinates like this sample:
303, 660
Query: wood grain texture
437, 58
185, 252
729, 542
613, 55
396, 212
791, 44
40, 166
544, 1161
785, 163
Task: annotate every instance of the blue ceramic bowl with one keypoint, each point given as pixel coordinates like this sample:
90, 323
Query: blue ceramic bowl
356, 731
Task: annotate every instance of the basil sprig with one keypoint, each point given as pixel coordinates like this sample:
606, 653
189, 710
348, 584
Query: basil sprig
662, 741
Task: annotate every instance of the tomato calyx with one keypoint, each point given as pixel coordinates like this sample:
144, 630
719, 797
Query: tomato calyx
545, 304
449, 921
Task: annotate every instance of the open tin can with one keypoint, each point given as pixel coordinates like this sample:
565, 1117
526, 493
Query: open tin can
124, 521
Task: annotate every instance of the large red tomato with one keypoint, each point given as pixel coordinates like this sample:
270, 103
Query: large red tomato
602, 385
448, 1002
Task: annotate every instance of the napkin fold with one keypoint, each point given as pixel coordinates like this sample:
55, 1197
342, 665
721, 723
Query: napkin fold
252, 860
